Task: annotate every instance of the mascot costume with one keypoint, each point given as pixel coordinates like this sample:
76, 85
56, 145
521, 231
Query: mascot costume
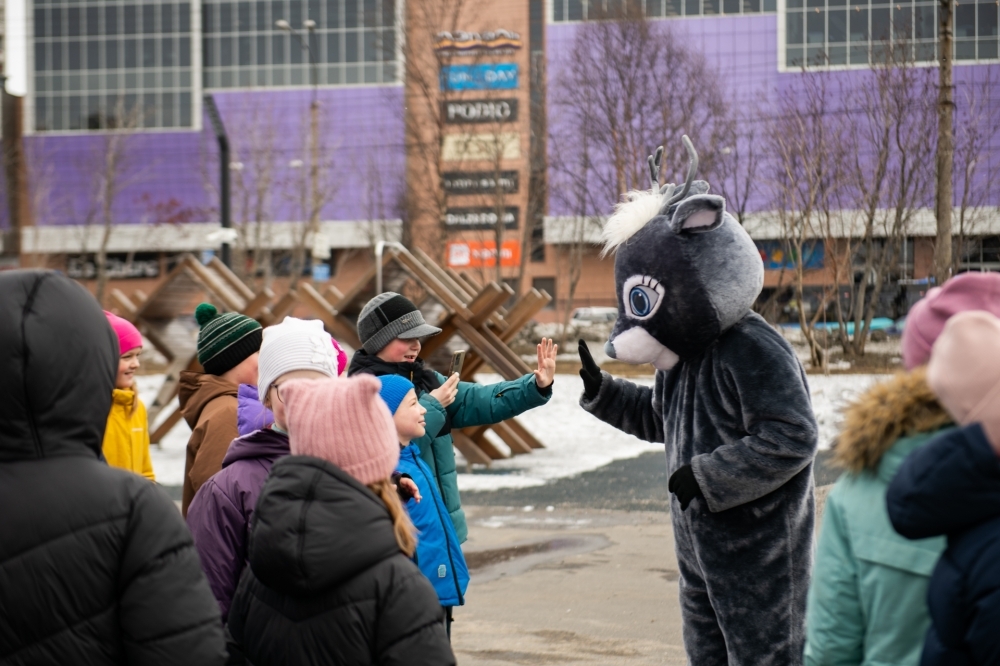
731, 404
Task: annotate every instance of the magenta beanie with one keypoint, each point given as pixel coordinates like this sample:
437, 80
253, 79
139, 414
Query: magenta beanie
343, 421
128, 335
927, 317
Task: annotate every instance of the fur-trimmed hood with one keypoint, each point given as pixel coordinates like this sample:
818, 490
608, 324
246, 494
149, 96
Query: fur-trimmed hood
898, 407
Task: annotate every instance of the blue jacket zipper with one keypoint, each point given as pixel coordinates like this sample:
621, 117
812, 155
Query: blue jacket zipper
447, 541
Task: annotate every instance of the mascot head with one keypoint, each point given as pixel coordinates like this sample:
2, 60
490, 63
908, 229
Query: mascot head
685, 270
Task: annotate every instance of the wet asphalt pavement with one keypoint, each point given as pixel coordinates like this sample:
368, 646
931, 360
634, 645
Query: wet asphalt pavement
636, 484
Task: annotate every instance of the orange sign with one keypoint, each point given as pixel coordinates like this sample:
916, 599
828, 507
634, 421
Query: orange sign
476, 254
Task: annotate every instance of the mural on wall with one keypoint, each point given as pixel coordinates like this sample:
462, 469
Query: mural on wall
776, 256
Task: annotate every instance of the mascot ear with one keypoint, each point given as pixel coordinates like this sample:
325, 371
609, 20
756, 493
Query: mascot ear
699, 214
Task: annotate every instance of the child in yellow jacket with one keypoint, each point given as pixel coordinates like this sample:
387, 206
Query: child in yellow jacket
126, 438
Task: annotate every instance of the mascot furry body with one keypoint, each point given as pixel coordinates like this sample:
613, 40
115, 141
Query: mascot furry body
730, 403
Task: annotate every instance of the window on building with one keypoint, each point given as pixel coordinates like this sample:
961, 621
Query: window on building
538, 243
354, 42
824, 33
981, 254
97, 65
548, 285
583, 10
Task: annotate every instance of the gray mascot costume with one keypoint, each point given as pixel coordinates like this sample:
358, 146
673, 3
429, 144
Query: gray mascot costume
731, 404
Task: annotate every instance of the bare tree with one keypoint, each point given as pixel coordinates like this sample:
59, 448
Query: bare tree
980, 123
310, 192
111, 167
629, 85
624, 87
945, 146
889, 179
424, 122
253, 166
806, 174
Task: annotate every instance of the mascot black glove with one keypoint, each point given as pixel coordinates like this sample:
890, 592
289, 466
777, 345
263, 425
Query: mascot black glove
590, 372
683, 484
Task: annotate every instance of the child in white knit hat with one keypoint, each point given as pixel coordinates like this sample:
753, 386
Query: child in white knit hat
220, 514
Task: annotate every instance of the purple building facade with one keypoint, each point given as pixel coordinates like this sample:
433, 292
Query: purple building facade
90, 60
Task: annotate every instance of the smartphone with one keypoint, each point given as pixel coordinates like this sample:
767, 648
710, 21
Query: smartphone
457, 361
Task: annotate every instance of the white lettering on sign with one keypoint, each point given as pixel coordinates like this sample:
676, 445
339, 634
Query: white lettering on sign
477, 218
479, 111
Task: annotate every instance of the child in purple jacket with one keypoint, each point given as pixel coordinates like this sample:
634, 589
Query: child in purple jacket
220, 514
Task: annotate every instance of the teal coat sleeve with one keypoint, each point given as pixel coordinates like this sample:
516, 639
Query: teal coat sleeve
434, 421
479, 404
835, 625
474, 405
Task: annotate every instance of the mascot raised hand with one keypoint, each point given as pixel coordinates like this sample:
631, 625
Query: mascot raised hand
731, 405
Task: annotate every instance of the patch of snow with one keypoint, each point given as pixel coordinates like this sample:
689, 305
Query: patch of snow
168, 457
830, 394
575, 442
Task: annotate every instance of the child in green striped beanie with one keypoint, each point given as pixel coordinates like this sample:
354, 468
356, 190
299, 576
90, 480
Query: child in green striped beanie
228, 345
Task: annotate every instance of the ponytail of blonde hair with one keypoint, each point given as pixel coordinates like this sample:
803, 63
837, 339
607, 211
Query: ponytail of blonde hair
401, 525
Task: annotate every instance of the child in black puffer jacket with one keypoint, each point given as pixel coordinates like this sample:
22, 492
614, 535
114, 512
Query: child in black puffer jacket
330, 579
952, 487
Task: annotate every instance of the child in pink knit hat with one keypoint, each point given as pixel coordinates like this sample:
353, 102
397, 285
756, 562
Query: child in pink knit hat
927, 317
951, 488
330, 580
126, 436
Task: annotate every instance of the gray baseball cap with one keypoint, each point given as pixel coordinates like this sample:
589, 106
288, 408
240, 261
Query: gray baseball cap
389, 316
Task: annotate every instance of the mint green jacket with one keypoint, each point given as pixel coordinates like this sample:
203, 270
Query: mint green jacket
868, 598
475, 404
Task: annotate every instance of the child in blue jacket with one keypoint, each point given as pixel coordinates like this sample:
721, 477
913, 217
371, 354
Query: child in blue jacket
439, 554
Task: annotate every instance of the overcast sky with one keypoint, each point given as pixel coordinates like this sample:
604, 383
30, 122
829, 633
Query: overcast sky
17, 78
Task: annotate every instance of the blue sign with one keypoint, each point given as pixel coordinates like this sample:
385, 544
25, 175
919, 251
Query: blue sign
502, 76
321, 272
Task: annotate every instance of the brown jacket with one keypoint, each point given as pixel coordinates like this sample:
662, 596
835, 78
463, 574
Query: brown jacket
208, 404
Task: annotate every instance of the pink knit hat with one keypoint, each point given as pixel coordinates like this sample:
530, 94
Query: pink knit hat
128, 335
343, 421
964, 371
927, 317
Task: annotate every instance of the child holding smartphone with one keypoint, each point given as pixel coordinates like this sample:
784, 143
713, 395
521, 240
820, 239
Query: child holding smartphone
390, 327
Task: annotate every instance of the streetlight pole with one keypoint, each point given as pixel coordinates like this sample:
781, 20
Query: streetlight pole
309, 26
223, 139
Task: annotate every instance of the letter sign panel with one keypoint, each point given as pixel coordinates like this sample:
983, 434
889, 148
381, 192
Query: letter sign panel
479, 111
501, 76
479, 218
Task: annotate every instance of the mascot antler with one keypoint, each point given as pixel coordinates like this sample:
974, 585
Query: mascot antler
654, 173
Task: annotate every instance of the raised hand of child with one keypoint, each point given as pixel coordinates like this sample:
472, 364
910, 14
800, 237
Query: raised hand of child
445, 394
546, 372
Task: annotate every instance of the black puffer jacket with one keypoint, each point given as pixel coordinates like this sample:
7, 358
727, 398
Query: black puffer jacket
327, 583
96, 564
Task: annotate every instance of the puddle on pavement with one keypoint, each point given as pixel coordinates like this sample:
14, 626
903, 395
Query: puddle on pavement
484, 558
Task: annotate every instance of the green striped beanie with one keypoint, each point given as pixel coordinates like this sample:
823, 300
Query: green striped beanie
225, 340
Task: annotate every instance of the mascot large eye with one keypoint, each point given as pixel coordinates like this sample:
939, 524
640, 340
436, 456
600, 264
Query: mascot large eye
642, 295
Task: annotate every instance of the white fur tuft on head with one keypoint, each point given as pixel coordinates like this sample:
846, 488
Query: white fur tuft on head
635, 210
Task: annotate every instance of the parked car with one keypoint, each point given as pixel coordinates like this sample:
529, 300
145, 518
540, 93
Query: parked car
588, 316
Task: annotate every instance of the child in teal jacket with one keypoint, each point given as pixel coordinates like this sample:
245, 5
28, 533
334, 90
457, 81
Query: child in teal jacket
390, 327
868, 598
